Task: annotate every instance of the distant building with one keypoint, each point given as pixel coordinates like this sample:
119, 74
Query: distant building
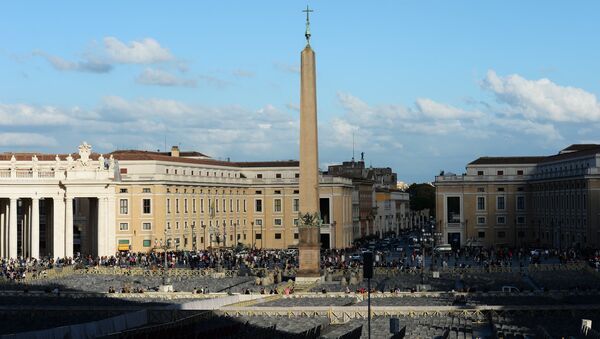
85, 202
378, 206
547, 201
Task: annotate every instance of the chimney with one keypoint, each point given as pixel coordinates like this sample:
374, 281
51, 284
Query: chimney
175, 151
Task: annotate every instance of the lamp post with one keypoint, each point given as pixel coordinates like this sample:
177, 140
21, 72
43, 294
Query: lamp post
235, 234
224, 234
261, 236
204, 231
253, 235
194, 237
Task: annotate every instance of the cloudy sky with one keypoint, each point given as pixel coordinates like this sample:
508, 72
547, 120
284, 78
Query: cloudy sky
422, 86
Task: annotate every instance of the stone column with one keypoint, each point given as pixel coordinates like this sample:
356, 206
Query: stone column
69, 227
58, 225
35, 227
12, 229
101, 235
2, 229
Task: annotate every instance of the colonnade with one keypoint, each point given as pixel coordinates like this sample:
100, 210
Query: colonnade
20, 227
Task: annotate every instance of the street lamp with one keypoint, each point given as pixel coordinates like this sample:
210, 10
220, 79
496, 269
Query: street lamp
253, 235
193, 236
261, 235
204, 232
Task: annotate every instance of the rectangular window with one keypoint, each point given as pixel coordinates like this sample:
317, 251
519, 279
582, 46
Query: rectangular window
500, 203
296, 236
237, 205
122, 190
177, 225
259, 176
176, 205
521, 220
146, 206
230, 205
185, 206
194, 205
147, 243
244, 205
146, 226
479, 172
258, 236
224, 206
146, 190
277, 205
481, 203
277, 236
168, 225
124, 206
520, 203
481, 235
500, 189
277, 222
258, 205
123, 226
258, 222
217, 204
480, 189
296, 207
480, 220
202, 205
500, 172
501, 220
278, 175
453, 208
296, 222
519, 172
185, 225
168, 206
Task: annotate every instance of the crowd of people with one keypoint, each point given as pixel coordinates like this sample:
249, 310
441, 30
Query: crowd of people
281, 260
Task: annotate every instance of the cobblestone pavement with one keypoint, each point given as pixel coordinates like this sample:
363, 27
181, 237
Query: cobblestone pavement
101, 283
291, 302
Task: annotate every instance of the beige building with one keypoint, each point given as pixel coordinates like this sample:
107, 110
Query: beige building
84, 202
196, 202
548, 201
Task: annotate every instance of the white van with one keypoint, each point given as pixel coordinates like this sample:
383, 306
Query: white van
447, 248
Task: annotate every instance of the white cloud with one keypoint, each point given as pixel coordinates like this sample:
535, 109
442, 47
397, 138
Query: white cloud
544, 130
543, 99
146, 51
25, 139
288, 68
87, 65
242, 73
437, 110
29, 115
158, 77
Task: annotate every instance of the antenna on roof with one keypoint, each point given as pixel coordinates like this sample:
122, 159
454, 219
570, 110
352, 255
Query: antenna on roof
352, 146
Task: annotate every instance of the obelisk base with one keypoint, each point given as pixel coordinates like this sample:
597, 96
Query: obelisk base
309, 255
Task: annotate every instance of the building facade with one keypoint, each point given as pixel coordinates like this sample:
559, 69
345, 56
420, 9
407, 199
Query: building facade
61, 205
546, 201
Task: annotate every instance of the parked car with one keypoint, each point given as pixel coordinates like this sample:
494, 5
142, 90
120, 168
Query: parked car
442, 249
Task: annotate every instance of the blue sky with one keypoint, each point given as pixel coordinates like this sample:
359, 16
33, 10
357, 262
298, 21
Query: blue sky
423, 86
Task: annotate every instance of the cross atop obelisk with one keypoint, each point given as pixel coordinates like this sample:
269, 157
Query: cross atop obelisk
307, 32
309, 216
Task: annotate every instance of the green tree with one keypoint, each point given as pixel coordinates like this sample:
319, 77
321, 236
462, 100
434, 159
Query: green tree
422, 196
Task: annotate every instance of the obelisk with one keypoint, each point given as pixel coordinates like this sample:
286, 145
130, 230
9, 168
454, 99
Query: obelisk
309, 218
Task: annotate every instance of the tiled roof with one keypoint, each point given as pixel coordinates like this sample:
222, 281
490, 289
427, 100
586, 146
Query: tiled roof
506, 160
158, 156
583, 151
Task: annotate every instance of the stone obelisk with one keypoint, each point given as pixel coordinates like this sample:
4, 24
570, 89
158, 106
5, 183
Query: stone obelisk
309, 219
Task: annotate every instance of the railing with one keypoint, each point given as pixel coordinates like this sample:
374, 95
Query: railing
24, 173
46, 174
5, 173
